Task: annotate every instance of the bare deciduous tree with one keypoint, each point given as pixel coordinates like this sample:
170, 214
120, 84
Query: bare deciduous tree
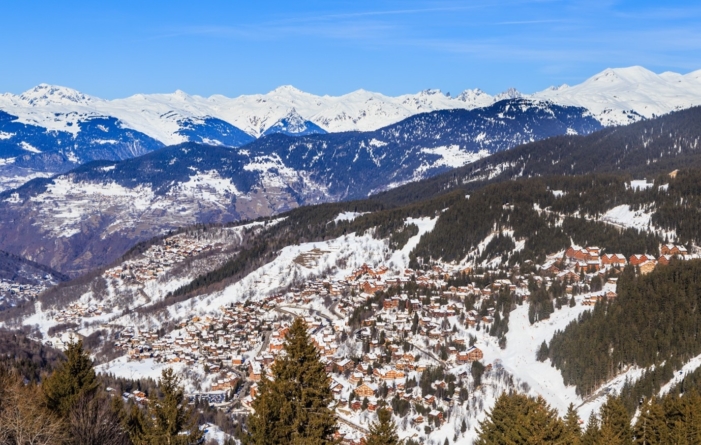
23, 420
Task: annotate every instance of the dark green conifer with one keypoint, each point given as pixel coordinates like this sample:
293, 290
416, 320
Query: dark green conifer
169, 420
592, 434
293, 407
615, 423
543, 352
519, 419
383, 431
572, 428
651, 428
72, 379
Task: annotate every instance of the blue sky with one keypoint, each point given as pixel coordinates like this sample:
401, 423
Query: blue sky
115, 49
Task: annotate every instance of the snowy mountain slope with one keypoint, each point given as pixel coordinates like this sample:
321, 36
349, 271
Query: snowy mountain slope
50, 129
624, 95
106, 206
615, 96
294, 125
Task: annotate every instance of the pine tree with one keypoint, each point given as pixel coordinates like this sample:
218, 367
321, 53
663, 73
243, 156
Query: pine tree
572, 428
519, 419
543, 352
651, 428
293, 407
135, 423
592, 434
169, 420
72, 379
383, 431
615, 423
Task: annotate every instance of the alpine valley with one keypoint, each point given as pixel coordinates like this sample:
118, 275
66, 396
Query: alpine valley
443, 251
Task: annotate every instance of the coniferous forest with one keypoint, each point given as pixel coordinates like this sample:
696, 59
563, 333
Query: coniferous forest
519, 419
654, 320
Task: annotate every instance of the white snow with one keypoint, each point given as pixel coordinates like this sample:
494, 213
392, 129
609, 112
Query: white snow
348, 216
690, 366
613, 93
207, 186
519, 357
452, 156
29, 147
640, 184
143, 369
622, 215
609, 95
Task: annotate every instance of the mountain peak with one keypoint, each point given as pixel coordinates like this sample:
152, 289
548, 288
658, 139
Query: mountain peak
511, 93
632, 74
45, 94
287, 89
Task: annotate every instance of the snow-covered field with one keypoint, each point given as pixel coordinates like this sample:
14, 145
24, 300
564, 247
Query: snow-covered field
623, 215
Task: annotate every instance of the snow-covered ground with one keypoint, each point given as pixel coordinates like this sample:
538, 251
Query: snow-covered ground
690, 366
623, 215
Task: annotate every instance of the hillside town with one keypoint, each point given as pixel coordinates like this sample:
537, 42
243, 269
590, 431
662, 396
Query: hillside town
12, 292
378, 331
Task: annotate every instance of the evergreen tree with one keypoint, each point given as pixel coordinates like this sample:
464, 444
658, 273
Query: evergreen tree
651, 428
592, 434
293, 407
135, 423
615, 423
519, 419
572, 428
384, 430
72, 379
543, 352
169, 420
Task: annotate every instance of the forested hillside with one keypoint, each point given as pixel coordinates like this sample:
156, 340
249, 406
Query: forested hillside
644, 148
547, 222
654, 319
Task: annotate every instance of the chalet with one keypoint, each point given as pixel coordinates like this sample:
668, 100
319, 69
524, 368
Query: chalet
664, 260
435, 414
470, 355
613, 259
255, 372
637, 260
366, 390
575, 255
647, 267
672, 249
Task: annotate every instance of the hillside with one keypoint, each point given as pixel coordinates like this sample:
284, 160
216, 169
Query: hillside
645, 148
181, 185
22, 280
407, 288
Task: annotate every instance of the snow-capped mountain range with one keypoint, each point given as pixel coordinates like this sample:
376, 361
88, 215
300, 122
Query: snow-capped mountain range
614, 96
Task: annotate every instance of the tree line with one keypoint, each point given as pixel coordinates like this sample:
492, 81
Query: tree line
519, 419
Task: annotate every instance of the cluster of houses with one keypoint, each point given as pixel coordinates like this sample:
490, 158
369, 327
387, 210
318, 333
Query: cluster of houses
75, 312
401, 335
219, 344
158, 258
12, 292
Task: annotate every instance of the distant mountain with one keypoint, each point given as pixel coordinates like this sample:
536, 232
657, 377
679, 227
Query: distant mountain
624, 95
294, 125
645, 148
90, 215
51, 129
